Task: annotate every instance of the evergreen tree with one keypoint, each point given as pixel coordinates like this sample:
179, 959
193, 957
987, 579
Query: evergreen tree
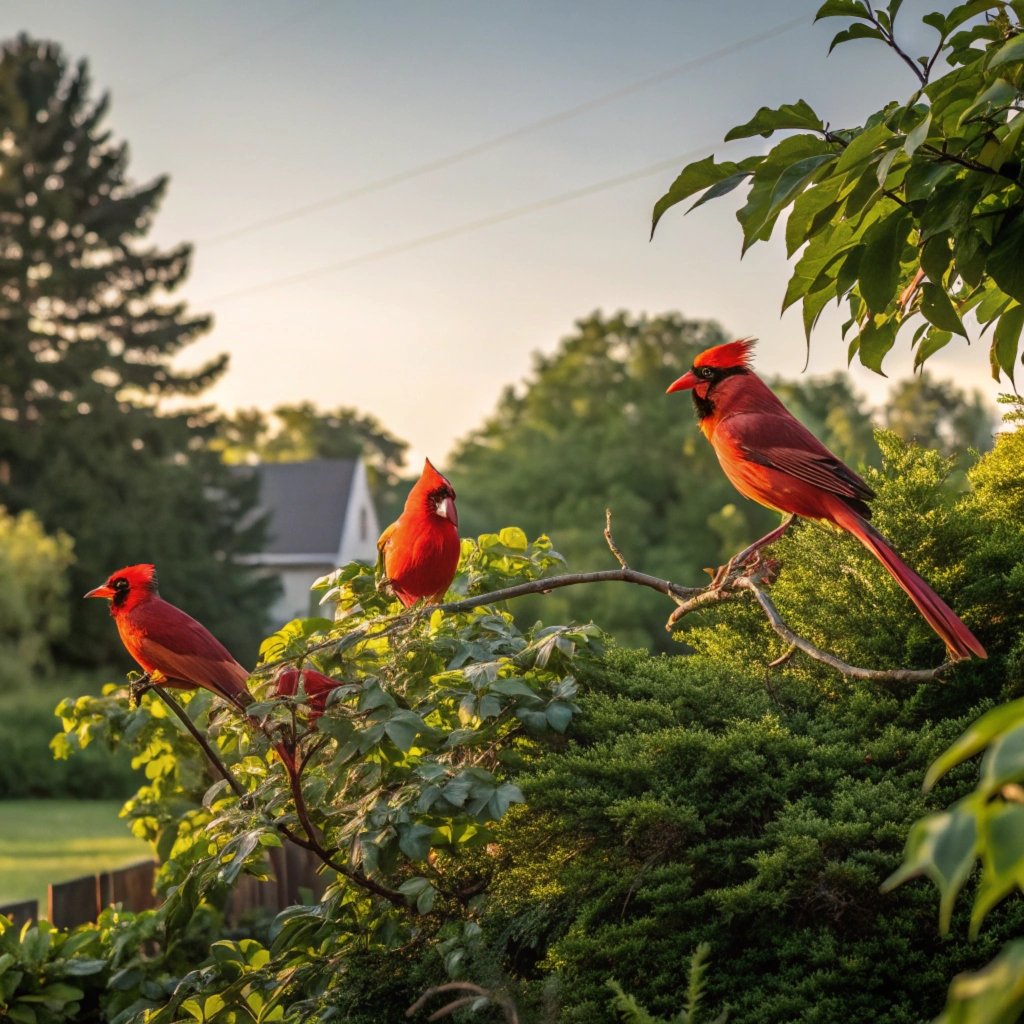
88, 333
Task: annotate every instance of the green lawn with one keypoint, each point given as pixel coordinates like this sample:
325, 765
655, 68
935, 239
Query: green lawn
44, 841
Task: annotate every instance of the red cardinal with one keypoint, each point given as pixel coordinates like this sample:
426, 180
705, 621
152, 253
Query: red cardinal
772, 458
419, 552
317, 688
171, 646
316, 685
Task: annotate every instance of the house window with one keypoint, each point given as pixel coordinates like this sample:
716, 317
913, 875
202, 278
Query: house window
364, 523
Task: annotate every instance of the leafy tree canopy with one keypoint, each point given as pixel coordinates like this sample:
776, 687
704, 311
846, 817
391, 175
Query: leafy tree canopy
292, 433
914, 218
89, 334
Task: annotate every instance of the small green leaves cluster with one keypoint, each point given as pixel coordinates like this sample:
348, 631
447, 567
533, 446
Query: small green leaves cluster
399, 775
915, 217
503, 559
102, 971
39, 972
985, 825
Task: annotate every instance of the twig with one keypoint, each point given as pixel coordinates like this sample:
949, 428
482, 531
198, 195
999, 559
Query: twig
784, 657
612, 546
879, 675
475, 992
548, 583
207, 748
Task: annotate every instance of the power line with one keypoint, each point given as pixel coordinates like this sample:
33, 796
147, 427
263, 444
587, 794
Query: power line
460, 229
206, 62
469, 152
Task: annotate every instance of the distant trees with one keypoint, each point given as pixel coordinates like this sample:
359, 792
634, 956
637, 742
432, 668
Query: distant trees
33, 596
88, 332
291, 433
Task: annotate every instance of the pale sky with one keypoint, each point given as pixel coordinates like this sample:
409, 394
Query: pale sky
419, 299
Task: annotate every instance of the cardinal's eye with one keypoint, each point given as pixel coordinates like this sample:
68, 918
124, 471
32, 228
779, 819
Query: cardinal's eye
706, 372
120, 583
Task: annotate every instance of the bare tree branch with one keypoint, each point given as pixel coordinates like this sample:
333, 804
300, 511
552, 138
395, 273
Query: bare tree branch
211, 755
879, 675
475, 992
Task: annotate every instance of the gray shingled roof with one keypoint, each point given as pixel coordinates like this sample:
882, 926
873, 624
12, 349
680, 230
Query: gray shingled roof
306, 502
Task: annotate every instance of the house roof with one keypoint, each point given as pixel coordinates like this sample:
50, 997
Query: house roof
307, 502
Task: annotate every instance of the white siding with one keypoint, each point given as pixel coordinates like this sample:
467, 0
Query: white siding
360, 529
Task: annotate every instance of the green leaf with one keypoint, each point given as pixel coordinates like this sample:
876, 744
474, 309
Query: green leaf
875, 340
721, 188
514, 538
806, 207
693, 178
938, 310
507, 793
415, 840
1005, 264
993, 995
513, 688
857, 31
812, 307
841, 9
1003, 761
862, 146
934, 340
403, 728
880, 266
970, 252
923, 177
917, 136
936, 257
419, 890
943, 847
1011, 50
761, 210
1006, 341
80, 967
1002, 848
975, 738
769, 119
559, 715
999, 94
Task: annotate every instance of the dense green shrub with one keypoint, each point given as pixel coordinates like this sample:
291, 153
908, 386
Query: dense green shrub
713, 799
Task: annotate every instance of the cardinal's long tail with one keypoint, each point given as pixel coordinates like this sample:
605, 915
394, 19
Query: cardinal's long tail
962, 643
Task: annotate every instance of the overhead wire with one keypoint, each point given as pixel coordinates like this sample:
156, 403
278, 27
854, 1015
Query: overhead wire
494, 142
214, 59
460, 229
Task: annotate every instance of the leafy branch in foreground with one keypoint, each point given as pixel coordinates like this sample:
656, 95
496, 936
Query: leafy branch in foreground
915, 217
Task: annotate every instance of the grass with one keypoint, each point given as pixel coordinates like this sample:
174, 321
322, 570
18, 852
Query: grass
44, 841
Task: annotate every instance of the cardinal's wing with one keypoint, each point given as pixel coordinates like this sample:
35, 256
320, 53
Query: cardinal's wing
785, 444
182, 648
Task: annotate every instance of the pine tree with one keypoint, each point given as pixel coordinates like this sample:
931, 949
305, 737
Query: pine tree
88, 332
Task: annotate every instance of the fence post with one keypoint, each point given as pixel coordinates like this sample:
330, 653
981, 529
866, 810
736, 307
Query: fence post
131, 886
75, 902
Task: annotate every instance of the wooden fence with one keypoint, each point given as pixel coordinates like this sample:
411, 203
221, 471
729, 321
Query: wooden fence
81, 900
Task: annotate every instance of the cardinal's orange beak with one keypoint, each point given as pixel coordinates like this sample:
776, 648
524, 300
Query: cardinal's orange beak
103, 591
687, 381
